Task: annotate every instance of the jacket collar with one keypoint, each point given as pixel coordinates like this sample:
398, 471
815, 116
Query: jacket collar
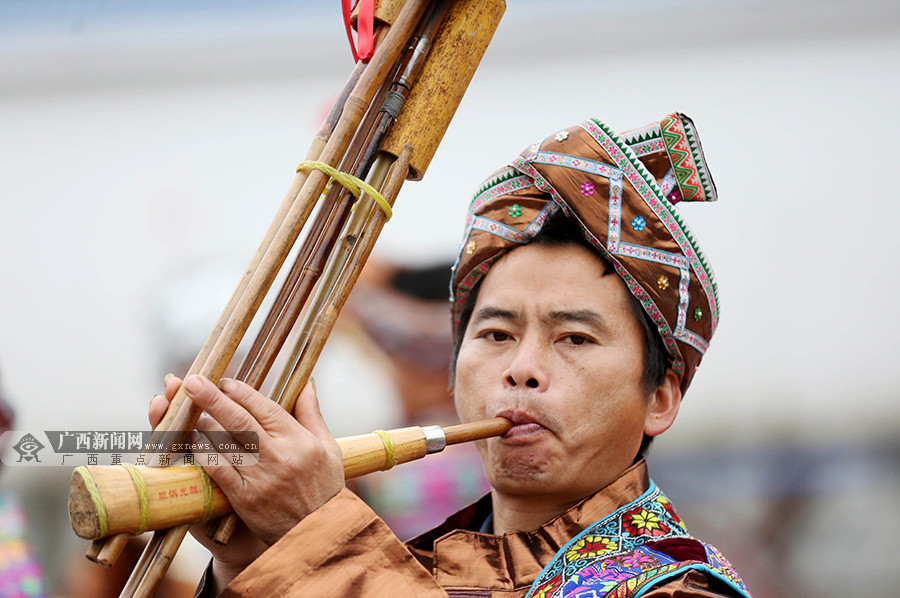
459, 557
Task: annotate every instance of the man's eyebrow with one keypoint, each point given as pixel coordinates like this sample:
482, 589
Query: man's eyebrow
489, 312
583, 316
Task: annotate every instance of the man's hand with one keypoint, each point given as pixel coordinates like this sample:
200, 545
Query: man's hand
299, 469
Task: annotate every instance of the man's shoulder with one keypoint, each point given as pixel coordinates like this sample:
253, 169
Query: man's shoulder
691, 584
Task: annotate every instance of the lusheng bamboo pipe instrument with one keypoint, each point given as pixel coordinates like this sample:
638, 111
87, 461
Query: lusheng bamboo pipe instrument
287, 225
444, 41
105, 499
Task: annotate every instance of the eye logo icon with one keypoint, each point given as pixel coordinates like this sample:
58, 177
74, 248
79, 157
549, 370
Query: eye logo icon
28, 447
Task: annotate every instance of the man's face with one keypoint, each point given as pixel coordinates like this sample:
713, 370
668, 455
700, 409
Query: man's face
553, 345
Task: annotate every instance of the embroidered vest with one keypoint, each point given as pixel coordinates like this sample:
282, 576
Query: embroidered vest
620, 556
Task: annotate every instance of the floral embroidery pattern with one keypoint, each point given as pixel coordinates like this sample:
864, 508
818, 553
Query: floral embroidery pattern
470, 247
662, 282
562, 136
698, 313
641, 522
548, 589
611, 558
637, 559
670, 510
638, 223
515, 210
591, 546
587, 188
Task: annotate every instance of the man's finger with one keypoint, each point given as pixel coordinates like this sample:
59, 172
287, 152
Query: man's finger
157, 409
172, 384
269, 414
215, 462
235, 441
229, 414
306, 411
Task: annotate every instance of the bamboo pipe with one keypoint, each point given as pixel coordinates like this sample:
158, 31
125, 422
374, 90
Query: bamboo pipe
286, 384
290, 382
176, 494
290, 299
107, 552
457, 51
296, 216
327, 225
261, 280
158, 561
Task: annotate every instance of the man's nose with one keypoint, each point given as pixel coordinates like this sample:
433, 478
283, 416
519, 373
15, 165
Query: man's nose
527, 367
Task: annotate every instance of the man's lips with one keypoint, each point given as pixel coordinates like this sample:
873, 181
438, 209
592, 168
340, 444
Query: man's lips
523, 424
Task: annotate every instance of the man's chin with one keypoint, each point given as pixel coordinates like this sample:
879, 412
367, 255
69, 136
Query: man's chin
515, 475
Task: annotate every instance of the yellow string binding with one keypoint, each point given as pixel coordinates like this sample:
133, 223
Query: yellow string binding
390, 450
140, 486
92, 489
209, 501
351, 183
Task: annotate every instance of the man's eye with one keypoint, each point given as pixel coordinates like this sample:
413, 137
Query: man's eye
576, 339
497, 336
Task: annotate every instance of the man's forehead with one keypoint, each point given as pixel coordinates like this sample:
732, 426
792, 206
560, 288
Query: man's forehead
566, 281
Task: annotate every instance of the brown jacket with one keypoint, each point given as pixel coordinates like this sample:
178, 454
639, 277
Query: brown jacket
345, 549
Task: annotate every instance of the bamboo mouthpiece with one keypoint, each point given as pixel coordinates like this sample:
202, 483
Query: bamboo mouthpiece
108, 500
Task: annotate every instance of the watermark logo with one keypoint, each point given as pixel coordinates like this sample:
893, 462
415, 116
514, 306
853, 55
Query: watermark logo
28, 448
73, 448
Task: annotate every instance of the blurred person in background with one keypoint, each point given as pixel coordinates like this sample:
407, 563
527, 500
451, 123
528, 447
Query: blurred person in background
20, 574
402, 312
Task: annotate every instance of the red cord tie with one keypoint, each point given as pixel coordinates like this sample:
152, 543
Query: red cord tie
365, 28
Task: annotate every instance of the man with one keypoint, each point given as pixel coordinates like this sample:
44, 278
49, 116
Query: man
582, 307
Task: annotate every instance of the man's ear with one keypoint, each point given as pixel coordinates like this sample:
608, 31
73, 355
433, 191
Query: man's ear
664, 405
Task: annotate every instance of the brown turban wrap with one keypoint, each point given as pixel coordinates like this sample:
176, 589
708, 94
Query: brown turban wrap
620, 190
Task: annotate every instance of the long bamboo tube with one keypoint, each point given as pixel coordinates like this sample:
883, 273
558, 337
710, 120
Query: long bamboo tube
225, 346
294, 296
457, 51
354, 109
106, 553
176, 494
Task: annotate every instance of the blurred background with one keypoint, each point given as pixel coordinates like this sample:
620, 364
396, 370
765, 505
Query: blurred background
144, 148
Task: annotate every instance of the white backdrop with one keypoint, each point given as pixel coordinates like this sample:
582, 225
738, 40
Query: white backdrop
135, 150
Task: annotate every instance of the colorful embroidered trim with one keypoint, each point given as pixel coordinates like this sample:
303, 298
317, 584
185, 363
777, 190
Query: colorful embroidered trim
668, 183
501, 187
687, 159
575, 163
646, 140
612, 557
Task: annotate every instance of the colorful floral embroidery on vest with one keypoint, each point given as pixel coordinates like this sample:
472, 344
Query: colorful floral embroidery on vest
611, 558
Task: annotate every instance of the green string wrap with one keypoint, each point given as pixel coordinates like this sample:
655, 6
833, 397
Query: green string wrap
353, 184
92, 489
140, 486
209, 501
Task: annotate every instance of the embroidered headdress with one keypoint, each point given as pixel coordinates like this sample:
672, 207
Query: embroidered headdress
620, 189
